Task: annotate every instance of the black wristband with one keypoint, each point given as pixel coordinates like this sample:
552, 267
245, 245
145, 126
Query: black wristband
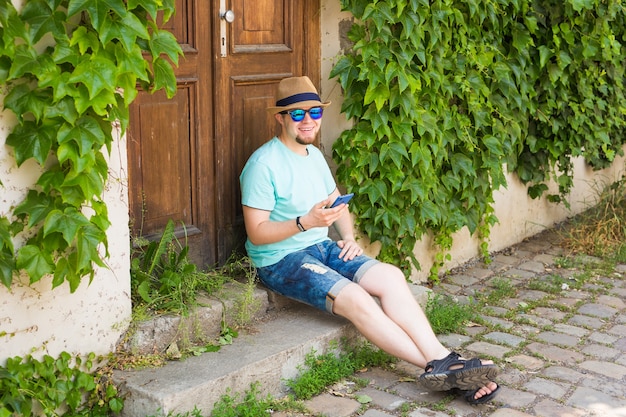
302, 229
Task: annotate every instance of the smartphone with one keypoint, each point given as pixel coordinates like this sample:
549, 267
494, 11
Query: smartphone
342, 199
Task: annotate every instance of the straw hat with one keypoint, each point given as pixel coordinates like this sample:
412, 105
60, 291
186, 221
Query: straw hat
296, 93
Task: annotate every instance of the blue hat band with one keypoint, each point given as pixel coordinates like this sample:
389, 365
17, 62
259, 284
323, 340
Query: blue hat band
296, 98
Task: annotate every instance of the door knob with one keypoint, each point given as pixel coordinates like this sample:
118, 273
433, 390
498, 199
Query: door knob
228, 16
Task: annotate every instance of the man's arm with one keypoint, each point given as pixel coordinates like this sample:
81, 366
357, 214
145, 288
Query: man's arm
262, 231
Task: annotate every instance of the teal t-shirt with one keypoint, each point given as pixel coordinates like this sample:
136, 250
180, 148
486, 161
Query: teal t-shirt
287, 185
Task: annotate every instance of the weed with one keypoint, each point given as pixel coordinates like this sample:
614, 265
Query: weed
251, 405
601, 230
552, 284
447, 315
164, 280
319, 371
502, 289
241, 291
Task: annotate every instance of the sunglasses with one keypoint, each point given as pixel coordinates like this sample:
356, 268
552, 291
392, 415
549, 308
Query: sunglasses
297, 115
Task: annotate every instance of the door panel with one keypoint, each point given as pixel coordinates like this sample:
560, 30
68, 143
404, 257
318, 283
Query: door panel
170, 175
185, 154
167, 143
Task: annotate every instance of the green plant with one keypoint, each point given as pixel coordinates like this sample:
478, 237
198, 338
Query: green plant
502, 289
163, 279
248, 406
52, 387
241, 292
601, 230
447, 315
444, 94
69, 70
553, 284
319, 371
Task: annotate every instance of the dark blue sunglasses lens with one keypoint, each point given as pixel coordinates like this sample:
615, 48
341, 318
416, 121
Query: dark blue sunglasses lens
316, 112
298, 115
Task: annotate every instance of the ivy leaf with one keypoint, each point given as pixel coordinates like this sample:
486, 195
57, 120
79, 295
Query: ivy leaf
98, 10
63, 109
148, 5
164, 43
64, 53
126, 29
25, 61
31, 140
66, 222
23, 100
89, 182
164, 77
88, 240
7, 266
6, 243
429, 212
13, 27
36, 206
132, 61
545, 54
128, 83
98, 104
41, 20
97, 74
86, 40
579, 5
378, 94
68, 151
34, 261
461, 162
86, 132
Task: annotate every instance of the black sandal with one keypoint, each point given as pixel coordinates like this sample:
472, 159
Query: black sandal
469, 396
471, 375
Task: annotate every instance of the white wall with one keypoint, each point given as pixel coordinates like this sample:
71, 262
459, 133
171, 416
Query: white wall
35, 319
519, 215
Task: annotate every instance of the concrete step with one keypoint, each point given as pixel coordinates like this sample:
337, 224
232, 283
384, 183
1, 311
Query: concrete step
270, 353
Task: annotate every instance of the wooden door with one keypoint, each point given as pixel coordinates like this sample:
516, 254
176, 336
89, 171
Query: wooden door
169, 141
267, 41
185, 154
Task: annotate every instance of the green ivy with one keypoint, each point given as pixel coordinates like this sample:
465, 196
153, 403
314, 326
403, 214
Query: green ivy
56, 386
70, 70
446, 95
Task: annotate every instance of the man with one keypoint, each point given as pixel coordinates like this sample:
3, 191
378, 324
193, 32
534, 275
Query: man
287, 193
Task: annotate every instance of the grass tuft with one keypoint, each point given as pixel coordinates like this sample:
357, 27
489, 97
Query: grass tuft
601, 230
446, 315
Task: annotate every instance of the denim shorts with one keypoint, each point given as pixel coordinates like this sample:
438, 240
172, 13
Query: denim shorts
314, 275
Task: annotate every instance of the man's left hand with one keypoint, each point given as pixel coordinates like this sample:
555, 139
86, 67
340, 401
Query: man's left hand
349, 249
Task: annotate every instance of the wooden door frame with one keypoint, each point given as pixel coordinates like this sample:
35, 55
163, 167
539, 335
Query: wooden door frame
313, 36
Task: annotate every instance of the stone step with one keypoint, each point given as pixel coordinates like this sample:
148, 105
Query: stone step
269, 353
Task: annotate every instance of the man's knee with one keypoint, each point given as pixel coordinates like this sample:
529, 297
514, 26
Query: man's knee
351, 300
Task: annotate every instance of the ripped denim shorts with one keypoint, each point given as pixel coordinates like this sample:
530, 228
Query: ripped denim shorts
314, 275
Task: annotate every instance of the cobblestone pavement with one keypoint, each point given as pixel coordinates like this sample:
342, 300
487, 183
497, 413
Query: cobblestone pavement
562, 351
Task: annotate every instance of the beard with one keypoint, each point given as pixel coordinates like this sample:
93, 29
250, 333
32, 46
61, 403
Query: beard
306, 141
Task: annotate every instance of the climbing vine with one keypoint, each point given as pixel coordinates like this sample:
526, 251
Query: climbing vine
446, 95
70, 70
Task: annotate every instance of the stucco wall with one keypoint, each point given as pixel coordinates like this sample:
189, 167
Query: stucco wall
37, 319
519, 215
